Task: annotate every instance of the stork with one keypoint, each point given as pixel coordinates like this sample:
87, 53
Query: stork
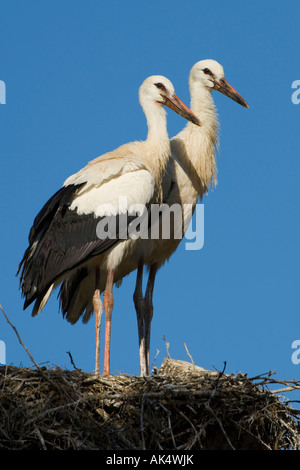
190, 172
64, 246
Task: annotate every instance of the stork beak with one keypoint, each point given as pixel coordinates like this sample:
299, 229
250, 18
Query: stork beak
224, 87
174, 103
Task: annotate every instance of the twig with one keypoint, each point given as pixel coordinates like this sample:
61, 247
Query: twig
197, 435
167, 346
214, 391
50, 411
188, 353
208, 407
291, 388
42, 440
171, 431
71, 359
142, 423
222, 371
19, 338
153, 362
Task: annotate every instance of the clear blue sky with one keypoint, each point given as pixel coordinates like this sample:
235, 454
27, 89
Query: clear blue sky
72, 71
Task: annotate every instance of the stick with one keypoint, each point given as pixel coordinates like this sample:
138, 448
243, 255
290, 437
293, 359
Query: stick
188, 353
19, 338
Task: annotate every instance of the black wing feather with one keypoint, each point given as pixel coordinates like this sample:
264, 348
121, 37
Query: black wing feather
59, 240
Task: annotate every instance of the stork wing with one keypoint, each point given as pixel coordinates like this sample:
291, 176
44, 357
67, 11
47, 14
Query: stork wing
64, 233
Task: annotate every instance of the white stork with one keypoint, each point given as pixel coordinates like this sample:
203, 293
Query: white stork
189, 174
64, 247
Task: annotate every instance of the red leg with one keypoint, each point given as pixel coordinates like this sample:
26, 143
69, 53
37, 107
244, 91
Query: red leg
108, 306
98, 310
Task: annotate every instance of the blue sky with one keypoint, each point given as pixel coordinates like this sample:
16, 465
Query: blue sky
72, 71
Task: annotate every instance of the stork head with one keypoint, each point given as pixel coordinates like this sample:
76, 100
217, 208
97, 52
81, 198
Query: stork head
159, 91
210, 74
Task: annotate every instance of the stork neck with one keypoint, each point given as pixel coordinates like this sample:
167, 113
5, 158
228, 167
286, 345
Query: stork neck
157, 146
202, 103
157, 124
157, 138
194, 146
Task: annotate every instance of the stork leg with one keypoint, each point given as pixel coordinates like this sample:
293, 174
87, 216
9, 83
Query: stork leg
108, 306
139, 303
148, 312
98, 310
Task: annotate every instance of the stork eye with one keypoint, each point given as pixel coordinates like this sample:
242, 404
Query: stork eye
207, 71
160, 85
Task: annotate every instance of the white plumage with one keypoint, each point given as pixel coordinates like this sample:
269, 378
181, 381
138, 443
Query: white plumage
190, 172
64, 247
117, 195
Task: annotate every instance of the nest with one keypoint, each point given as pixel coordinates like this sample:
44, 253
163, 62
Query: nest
180, 407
